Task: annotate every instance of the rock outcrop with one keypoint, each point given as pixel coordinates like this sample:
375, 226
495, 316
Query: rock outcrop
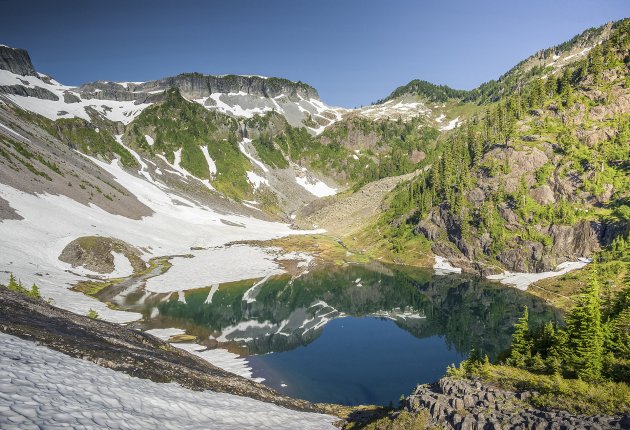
16, 60
464, 404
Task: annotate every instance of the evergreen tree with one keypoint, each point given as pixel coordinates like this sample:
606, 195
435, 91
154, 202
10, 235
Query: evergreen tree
15, 285
596, 64
521, 343
34, 293
586, 337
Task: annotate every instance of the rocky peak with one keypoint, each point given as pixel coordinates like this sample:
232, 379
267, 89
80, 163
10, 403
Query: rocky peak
198, 85
16, 60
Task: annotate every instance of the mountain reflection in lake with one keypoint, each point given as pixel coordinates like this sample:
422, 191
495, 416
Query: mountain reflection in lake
356, 334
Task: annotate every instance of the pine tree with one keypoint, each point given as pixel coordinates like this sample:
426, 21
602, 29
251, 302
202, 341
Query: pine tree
596, 64
521, 343
586, 337
15, 285
34, 293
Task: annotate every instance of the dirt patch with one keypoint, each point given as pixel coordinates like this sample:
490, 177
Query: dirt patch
95, 253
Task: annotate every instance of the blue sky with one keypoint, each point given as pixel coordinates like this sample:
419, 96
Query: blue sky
354, 51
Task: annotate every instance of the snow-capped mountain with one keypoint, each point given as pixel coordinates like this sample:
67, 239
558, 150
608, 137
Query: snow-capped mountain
234, 95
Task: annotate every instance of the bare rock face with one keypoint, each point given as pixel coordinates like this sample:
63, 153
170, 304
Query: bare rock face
524, 256
198, 85
543, 195
578, 240
20, 90
521, 163
95, 253
16, 61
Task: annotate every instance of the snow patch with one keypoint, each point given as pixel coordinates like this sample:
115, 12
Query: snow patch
451, 125
241, 147
10, 130
522, 280
315, 186
215, 266
256, 180
443, 267
212, 166
122, 266
165, 333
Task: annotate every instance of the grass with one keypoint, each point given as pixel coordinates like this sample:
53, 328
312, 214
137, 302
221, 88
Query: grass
176, 123
562, 291
374, 242
325, 248
555, 392
92, 288
394, 420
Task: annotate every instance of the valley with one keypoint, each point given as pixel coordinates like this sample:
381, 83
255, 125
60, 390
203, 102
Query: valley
272, 248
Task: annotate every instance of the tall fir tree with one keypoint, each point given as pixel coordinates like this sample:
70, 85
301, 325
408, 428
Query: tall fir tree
586, 337
521, 343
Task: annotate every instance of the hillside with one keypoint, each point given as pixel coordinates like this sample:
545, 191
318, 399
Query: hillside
536, 179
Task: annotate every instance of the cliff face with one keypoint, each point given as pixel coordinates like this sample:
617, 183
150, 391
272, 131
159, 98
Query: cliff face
16, 61
197, 85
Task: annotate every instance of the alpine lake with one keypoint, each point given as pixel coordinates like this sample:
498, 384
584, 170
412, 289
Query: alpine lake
354, 334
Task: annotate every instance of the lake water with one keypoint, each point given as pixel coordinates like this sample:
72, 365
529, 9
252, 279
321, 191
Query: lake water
358, 334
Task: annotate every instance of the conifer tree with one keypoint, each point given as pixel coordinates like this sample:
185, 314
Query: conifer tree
596, 64
34, 293
521, 343
585, 333
15, 285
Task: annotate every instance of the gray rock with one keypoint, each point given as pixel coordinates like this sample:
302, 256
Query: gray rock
543, 195
17, 61
20, 90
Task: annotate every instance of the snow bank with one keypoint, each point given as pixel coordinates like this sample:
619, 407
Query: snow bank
122, 266
215, 266
443, 267
221, 358
256, 180
315, 187
40, 387
523, 280
451, 125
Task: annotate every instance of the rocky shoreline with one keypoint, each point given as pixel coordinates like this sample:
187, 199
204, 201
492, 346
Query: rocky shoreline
464, 404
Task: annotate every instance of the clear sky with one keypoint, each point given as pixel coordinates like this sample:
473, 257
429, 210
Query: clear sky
353, 51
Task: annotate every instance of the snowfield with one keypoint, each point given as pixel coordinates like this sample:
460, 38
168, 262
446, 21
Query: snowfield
31, 247
124, 111
42, 388
215, 266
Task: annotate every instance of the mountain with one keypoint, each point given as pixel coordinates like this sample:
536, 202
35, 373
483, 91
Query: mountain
237, 96
538, 177
524, 173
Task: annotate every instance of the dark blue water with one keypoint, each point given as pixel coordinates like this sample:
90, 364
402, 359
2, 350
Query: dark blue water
355, 358
357, 361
